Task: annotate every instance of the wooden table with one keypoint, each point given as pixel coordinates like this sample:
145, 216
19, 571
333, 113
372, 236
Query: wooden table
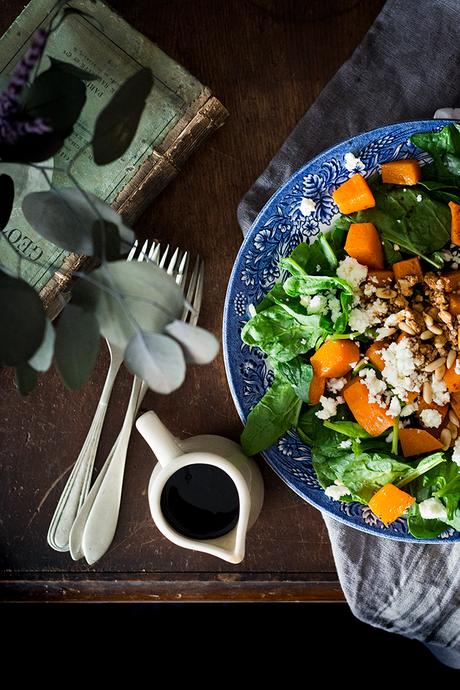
267, 60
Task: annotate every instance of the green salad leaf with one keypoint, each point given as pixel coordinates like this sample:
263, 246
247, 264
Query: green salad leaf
299, 374
283, 335
273, 415
410, 219
442, 146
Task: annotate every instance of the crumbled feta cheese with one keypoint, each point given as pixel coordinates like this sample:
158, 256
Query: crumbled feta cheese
307, 207
454, 265
354, 364
401, 372
456, 452
419, 197
369, 289
432, 509
374, 386
336, 385
314, 305
333, 304
317, 304
318, 268
346, 443
361, 319
352, 163
389, 437
430, 418
336, 490
395, 407
441, 395
398, 220
349, 269
329, 407
396, 247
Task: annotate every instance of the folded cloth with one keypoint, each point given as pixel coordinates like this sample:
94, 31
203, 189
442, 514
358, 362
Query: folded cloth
406, 66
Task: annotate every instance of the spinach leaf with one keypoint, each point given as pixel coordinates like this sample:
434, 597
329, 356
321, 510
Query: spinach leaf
418, 227
283, 335
321, 256
368, 472
442, 191
273, 415
423, 466
421, 527
299, 374
310, 285
439, 145
350, 429
277, 295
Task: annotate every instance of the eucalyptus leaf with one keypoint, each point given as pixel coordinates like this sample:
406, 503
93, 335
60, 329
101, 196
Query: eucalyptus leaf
73, 70
22, 321
131, 294
56, 98
41, 360
6, 199
26, 378
157, 359
77, 345
199, 346
66, 218
117, 124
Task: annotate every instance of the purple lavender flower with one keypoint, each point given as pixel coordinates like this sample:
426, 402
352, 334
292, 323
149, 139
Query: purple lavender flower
12, 127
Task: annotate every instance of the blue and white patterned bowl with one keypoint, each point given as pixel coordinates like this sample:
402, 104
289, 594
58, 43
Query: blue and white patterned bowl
285, 221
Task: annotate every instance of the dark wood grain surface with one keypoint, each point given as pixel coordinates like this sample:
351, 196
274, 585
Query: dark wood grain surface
267, 60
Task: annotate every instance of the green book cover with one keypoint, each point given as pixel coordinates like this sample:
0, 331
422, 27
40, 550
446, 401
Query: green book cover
103, 44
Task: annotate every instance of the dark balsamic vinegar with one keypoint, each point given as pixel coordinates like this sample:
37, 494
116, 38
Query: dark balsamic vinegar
200, 501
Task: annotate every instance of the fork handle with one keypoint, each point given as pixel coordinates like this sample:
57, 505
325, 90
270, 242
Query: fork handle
102, 519
76, 488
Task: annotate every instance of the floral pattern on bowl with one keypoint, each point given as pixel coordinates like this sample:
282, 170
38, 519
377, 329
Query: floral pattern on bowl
298, 211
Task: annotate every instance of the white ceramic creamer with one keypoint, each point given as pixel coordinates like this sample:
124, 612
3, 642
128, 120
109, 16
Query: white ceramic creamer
174, 456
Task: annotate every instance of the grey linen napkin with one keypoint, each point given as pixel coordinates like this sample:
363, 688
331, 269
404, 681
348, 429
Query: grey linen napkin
406, 67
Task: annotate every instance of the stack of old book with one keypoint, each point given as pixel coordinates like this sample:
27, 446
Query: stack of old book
179, 115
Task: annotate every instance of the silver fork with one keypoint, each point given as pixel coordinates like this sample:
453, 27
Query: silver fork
77, 486
96, 523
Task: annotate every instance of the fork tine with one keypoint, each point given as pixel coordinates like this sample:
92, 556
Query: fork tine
182, 270
154, 255
164, 257
189, 295
143, 251
132, 251
196, 304
152, 251
172, 262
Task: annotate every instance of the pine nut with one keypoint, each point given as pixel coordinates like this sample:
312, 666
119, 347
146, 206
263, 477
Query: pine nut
428, 319
385, 293
427, 392
445, 316
427, 335
453, 430
451, 357
453, 417
435, 329
432, 366
439, 372
417, 307
407, 329
418, 298
445, 438
440, 341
